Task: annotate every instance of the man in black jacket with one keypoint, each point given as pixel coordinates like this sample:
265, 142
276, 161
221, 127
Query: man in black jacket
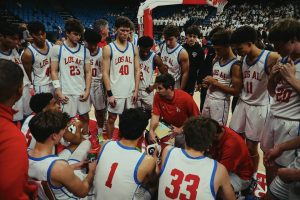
196, 57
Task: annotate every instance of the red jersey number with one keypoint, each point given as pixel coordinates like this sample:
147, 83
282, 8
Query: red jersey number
283, 95
48, 71
74, 71
249, 87
192, 187
110, 177
94, 72
124, 70
141, 76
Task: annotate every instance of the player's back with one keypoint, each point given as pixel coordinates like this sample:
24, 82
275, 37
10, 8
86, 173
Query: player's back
116, 172
186, 177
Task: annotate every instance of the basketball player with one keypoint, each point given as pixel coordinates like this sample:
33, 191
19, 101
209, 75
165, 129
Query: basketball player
121, 72
73, 82
187, 173
175, 57
9, 40
284, 85
97, 88
286, 184
225, 81
65, 179
121, 168
251, 110
42, 102
148, 62
36, 59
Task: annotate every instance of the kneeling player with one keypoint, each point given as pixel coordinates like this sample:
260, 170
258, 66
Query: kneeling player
187, 173
66, 179
121, 167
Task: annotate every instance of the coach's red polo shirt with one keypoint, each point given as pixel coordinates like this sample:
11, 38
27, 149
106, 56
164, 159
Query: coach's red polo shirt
232, 152
13, 158
176, 111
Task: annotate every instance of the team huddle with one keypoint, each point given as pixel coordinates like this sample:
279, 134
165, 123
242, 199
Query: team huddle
200, 157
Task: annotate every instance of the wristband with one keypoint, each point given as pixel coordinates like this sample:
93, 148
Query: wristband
109, 93
56, 84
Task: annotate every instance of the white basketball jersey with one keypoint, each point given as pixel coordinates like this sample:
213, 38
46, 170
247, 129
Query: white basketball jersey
147, 67
287, 100
27, 134
116, 172
122, 80
40, 169
170, 57
40, 65
96, 66
14, 56
71, 69
255, 80
186, 177
222, 73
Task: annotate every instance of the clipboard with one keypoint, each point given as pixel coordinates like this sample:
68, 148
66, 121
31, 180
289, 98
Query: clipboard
162, 130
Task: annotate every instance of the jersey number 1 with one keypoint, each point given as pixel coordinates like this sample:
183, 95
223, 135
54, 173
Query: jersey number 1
113, 168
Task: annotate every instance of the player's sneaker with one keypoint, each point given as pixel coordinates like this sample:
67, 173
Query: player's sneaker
251, 188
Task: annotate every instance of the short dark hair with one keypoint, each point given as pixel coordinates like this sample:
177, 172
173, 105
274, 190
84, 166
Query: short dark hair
123, 21
221, 38
214, 30
73, 25
46, 123
285, 30
91, 36
193, 30
199, 133
167, 80
132, 123
35, 27
39, 101
8, 29
145, 42
218, 126
11, 78
170, 31
243, 34
99, 25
